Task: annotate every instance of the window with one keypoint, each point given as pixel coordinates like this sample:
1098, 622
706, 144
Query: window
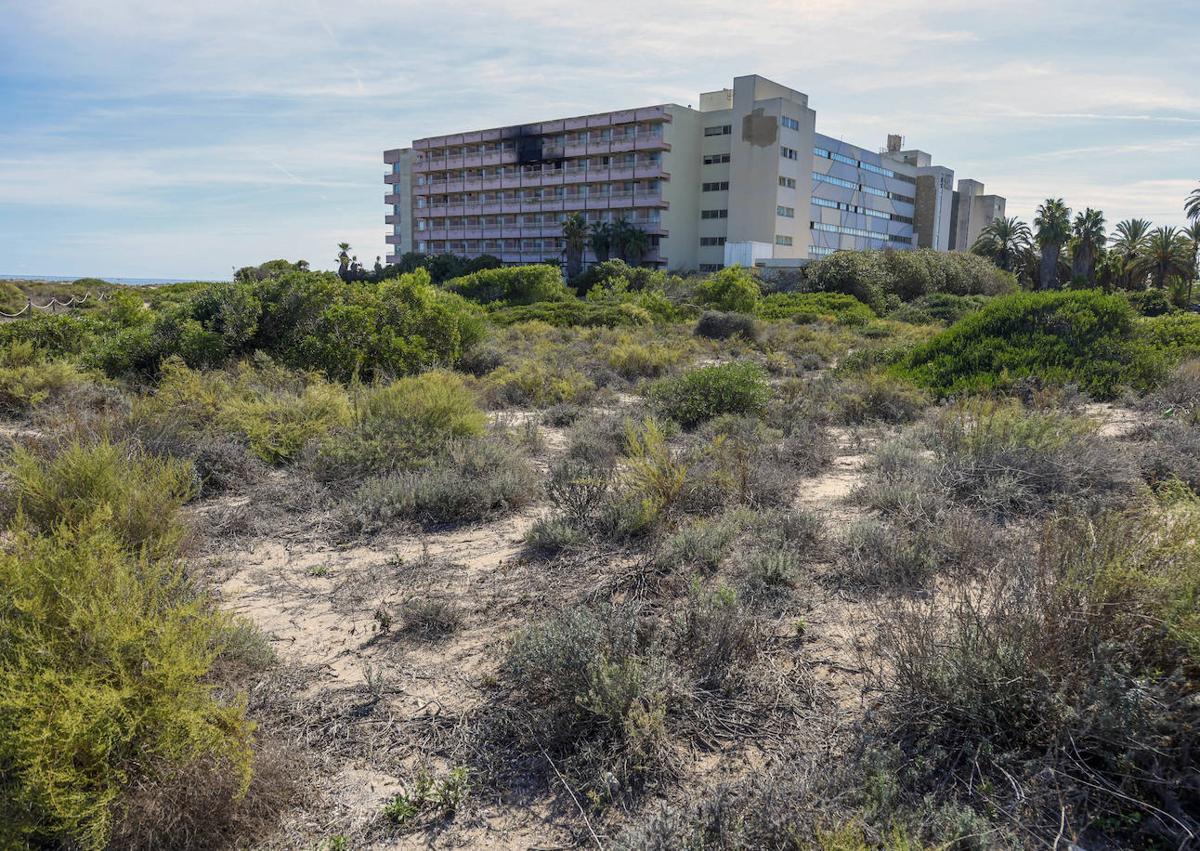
714, 214
715, 159
863, 211
712, 240
788, 153
820, 251
787, 182
780, 239
786, 212
720, 130
711, 267
821, 152
868, 234
716, 186
790, 123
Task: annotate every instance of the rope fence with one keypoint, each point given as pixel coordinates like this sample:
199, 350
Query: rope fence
52, 305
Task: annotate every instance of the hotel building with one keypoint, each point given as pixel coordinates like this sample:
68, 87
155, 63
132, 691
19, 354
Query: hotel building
744, 178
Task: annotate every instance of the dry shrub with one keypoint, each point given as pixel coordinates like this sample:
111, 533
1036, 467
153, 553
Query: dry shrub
199, 807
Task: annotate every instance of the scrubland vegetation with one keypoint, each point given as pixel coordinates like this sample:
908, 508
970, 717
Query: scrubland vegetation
893, 553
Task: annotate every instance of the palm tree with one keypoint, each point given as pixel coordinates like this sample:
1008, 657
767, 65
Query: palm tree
621, 230
1002, 241
1130, 243
575, 237
1192, 233
343, 259
1191, 207
601, 241
1089, 239
1168, 253
1053, 227
637, 243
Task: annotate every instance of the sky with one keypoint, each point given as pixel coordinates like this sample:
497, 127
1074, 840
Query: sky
181, 139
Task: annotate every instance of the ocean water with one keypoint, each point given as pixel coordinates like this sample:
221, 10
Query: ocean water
129, 281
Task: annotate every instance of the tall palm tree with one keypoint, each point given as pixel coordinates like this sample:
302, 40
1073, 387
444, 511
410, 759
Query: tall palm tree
1002, 241
1168, 253
1192, 232
1053, 228
1191, 207
601, 240
1088, 233
1129, 242
621, 230
637, 243
343, 259
575, 237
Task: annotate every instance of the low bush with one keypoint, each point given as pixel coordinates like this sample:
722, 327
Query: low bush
731, 290
1150, 302
701, 394
811, 307
716, 638
105, 663
534, 382
27, 379
1176, 335
1076, 683
632, 359
594, 693
512, 285
938, 307
276, 412
573, 312
400, 425
1085, 338
475, 479
877, 397
141, 493
716, 325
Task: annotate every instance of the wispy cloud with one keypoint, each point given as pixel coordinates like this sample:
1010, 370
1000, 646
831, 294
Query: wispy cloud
185, 138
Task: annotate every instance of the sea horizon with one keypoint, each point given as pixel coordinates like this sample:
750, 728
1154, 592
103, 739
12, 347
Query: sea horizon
110, 279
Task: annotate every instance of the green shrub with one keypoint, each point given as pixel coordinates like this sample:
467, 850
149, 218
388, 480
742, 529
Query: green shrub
1176, 335
1151, 302
701, 394
732, 290
534, 382
401, 425
27, 380
938, 307
573, 312
512, 285
1084, 338
105, 663
878, 397
276, 412
141, 493
716, 325
809, 307
631, 359
861, 274
476, 479
12, 297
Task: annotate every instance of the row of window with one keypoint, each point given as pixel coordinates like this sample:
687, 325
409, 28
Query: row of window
711, 267
532, 220
869, 234
716, 186
548, 247
714, 214
786, 212
870, 190
790, 123
820, 251
558, 167
715, 159
719, 130
620, 133
865, 166
865, 211
613, 189
712, 240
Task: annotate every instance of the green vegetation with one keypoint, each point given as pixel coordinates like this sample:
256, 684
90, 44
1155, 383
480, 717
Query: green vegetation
811, 307
701, 394
511, 285
1084, 338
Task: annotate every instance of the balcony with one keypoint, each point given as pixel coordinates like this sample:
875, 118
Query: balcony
393, 238
391, 198
390, 179
391, 219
